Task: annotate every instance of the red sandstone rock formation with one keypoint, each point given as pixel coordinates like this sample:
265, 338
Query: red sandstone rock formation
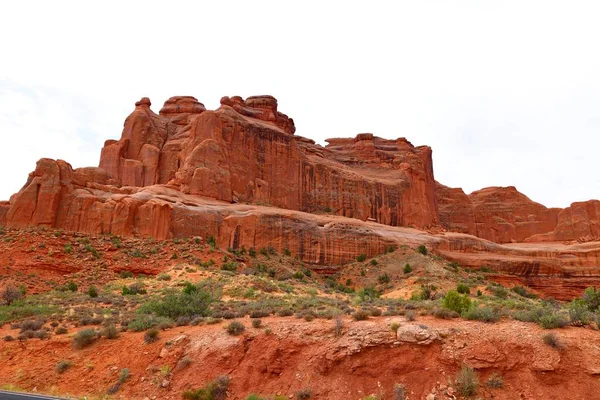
500, 214
246, 152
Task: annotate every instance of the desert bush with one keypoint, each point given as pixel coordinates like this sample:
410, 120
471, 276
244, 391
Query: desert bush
462, 288
10, 294
591, 298
151, 336
399, 392
30, 325
92, 292
368, 294
456, 302
407, 269
110, 332
188, 303
422, 249
8, 338
361, 315
163, 277
63, 365
84, 338
467, 381
124, 375
394, 326
521, 291
214, 390
126, 274
339, 326
256, 322
235, 328
361, 257
61, 330
551, 319
385, 278
374, 262
304, 394
133, 289
410, 315
485, 314
495, 381
444, 313
498, 291
552, 340
579, 314
72, 286
183, 320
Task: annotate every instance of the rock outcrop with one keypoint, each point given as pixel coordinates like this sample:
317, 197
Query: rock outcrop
499, 214
245, 152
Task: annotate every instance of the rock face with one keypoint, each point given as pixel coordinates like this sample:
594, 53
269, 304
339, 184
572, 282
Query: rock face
246, 152
499, 214
580, 221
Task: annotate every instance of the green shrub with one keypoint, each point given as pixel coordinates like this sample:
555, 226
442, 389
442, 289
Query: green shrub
485, 314
579, 313
552, 340
63, 365
407, 269
92, 291
551, 319
298, 275
235, 328
456, 302
445, 313
368, 294
422, 249
163, 277
191, 302
361, 257
385, 278
304, 394
467, 381
84, 338
212, 242
360, 315
591, 298
10, 294
110, 332
256, 322
215, 390
133, 289
72, 286
499, 291
462, 288
68, 248
229, 266
374, 262
521, 291
126, 274
151, 336
124, 375
495, 381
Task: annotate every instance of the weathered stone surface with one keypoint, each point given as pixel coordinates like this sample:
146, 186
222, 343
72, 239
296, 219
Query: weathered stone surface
246, 152
416, 334
500, 214
580, 222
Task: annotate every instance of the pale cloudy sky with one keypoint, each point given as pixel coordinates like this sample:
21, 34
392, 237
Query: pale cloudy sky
505, 92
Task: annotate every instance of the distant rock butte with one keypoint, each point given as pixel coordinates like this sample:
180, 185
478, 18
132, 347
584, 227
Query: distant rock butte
240, 174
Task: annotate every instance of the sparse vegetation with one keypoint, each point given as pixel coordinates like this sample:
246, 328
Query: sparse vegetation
361, 257
84, 338
495, 381
552, 340
214, 390
467, 381
235, 328
422, 249
407, 269
151, 336
456, 302
63, 365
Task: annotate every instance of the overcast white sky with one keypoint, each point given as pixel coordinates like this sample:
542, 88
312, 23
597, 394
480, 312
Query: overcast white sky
505, 92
